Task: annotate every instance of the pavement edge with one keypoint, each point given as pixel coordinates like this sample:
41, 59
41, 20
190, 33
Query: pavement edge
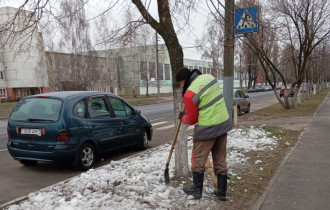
271, 183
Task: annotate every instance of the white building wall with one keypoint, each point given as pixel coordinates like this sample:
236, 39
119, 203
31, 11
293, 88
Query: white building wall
22, 69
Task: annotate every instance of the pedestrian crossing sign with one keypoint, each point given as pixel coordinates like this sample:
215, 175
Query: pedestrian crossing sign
246, 20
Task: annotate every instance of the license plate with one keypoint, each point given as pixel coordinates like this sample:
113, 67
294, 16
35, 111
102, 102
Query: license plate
31, 131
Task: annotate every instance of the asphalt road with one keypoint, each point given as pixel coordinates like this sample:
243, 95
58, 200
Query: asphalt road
17, 180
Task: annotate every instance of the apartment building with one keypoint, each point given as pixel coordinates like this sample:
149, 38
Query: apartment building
22, 73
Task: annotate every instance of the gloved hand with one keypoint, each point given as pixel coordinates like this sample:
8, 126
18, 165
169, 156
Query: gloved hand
181, 115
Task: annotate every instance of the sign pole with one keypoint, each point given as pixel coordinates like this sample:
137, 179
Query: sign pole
228, 57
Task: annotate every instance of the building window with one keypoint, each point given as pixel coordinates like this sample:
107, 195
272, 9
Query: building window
3, 92
26, 92
143, 70
152, 70
160, 71
167, 72
1, 75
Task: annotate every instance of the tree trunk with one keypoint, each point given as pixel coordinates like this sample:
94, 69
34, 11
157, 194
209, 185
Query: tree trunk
181, 150
166, 30
181, 153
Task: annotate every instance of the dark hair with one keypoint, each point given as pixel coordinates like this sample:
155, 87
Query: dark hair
182, 74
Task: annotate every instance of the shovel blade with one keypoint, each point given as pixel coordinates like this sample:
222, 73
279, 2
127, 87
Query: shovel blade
166, 176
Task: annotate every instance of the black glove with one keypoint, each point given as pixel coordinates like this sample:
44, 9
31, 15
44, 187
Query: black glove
181, 115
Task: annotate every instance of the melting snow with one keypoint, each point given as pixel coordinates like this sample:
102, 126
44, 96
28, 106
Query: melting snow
138, 182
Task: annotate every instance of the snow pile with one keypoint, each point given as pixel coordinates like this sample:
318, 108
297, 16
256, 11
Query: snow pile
138, 182
246, 140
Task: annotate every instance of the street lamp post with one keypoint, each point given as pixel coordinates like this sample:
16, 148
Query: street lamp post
157, 69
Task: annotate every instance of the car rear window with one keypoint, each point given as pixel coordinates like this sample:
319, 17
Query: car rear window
37, 109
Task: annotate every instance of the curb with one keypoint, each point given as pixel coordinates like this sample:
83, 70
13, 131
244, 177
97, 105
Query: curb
271, 183
12, 202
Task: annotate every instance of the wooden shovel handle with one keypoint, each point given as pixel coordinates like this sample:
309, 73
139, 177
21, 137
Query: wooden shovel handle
174, 141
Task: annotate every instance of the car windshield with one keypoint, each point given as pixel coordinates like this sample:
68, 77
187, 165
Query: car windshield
37, 110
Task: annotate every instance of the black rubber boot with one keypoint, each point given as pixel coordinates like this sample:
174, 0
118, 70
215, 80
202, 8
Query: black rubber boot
197, 188
222, 187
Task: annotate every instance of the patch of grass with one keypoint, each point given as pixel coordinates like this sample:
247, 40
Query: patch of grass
7, 105
307, 108
141, 101
5, 108
146, 100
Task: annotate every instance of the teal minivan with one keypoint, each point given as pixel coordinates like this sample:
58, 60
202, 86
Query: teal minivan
74, 127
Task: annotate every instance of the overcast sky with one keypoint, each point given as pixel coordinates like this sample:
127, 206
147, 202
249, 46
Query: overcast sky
186, 37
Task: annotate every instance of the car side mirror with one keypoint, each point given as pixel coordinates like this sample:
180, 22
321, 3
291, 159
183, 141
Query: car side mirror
137, 112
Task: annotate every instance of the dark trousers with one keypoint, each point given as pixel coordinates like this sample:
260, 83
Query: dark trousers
201, 151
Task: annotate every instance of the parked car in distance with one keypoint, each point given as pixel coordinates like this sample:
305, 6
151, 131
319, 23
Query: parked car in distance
303, 87
268, 88
257, 88
278, 87
73, 127
254, 89
242, 102
282, 91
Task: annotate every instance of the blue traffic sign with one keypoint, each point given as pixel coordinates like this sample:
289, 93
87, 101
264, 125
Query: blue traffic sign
246, 20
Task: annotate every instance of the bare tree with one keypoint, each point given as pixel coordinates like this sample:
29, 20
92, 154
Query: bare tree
318, 66
164, 27
303, 26
211, 44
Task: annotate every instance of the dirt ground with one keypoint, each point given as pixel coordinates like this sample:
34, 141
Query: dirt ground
243, 193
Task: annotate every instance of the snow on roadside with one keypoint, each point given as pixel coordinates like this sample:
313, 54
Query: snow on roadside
138, 182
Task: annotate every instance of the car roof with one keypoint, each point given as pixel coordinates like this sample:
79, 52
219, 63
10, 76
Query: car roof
67, 94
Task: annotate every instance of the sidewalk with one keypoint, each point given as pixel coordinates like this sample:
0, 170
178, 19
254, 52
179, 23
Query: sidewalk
303, 178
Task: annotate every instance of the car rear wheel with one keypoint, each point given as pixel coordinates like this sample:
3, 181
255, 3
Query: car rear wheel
86, 157
144, 141
28, 162
248, 109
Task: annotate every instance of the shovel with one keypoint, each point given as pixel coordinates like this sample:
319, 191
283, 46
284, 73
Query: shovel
166, 173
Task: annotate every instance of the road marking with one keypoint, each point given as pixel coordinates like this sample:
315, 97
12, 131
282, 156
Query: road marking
1, 150
165, 127
159, 123
156, 119
3, 123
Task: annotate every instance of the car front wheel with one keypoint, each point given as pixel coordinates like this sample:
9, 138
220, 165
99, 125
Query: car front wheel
86, 157
144, 141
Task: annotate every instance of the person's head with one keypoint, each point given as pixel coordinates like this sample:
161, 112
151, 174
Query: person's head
182, 75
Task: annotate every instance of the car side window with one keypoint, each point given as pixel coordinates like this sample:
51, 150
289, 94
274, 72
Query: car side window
129, 110
97, 108
237, 94
118, 107
242, 94
79, 109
